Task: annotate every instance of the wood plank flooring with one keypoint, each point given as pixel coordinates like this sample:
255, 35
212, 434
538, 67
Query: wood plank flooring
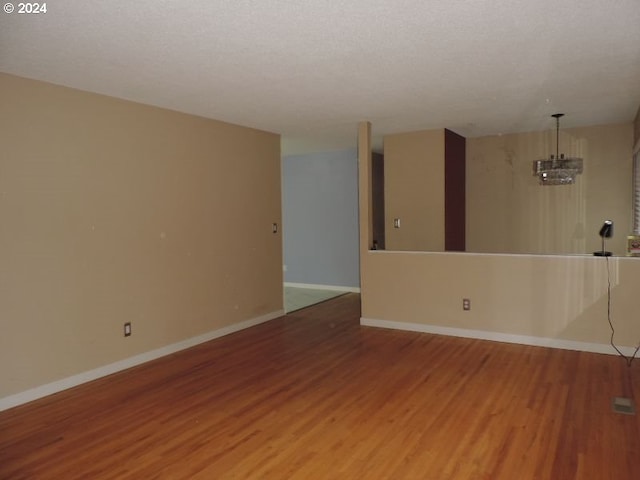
315, 396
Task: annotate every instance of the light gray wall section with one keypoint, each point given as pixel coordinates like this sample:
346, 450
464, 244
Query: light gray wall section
320, 218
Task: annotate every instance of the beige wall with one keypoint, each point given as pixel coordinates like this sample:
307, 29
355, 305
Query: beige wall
556, 297
113, 211
636, 132
414, 190
508, 212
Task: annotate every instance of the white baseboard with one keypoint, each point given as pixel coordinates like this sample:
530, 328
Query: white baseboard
336, 288
88, 376
498, 337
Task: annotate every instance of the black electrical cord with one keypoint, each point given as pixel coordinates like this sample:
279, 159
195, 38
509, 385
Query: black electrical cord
630, 359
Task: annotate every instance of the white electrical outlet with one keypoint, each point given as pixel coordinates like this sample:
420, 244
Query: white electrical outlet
466, 304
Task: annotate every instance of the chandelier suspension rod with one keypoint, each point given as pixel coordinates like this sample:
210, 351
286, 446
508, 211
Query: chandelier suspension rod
557, 117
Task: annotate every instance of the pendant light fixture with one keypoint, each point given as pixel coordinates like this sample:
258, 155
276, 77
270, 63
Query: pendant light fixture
558, 169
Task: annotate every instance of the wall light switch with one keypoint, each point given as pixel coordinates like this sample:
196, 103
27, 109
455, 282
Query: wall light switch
396, 223
274, 227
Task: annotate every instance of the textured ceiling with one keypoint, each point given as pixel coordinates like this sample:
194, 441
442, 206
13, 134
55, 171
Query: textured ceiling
312, 69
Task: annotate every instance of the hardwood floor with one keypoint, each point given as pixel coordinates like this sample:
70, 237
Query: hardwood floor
315, 396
